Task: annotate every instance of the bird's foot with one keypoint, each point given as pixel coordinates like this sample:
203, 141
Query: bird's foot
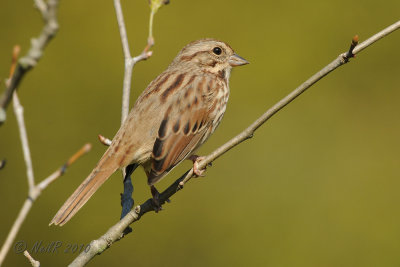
196, 160
156, 199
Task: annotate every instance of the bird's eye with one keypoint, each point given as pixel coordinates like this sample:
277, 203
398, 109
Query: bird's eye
217, 50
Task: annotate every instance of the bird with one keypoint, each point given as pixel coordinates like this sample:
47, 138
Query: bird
169, 121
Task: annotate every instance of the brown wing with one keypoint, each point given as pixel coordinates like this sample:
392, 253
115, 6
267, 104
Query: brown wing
184, 128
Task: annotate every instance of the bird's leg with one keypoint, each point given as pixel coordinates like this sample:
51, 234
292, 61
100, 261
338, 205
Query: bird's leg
196, 159
126, 198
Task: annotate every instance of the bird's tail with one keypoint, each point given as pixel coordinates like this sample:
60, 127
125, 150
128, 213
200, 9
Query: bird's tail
106, 166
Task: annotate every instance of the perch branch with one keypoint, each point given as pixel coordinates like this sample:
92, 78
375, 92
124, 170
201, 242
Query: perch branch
26, 63
115, 233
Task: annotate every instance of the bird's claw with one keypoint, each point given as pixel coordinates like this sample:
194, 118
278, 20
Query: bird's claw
156, 199
196, 160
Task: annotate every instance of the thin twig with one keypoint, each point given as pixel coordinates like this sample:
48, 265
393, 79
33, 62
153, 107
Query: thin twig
34, 262
376, 37
19, 113
115, 233
26, 207
26, 63
155, 5
34, 193
130, 61
122, 29
61, 171
14, 61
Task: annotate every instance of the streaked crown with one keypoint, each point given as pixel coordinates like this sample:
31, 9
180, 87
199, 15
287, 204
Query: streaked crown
208, 55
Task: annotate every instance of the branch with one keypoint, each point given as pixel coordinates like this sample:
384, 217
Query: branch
19, 114
62, 170
34, 262
115, 233
26, 63
129, 61
34, 193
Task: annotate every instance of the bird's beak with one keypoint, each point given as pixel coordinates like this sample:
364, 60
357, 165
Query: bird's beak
236, 60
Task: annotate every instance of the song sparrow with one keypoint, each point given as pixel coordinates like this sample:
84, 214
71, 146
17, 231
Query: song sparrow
173, 117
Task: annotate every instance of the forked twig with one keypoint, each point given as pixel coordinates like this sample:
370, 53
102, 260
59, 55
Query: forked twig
130, 61
34, 193
34, 190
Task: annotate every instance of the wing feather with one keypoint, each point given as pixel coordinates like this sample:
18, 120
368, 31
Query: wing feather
183, 129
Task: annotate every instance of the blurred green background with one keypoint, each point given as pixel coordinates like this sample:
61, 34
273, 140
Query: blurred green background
317, 186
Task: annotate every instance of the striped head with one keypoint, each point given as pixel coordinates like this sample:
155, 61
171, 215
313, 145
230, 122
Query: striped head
208, 55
